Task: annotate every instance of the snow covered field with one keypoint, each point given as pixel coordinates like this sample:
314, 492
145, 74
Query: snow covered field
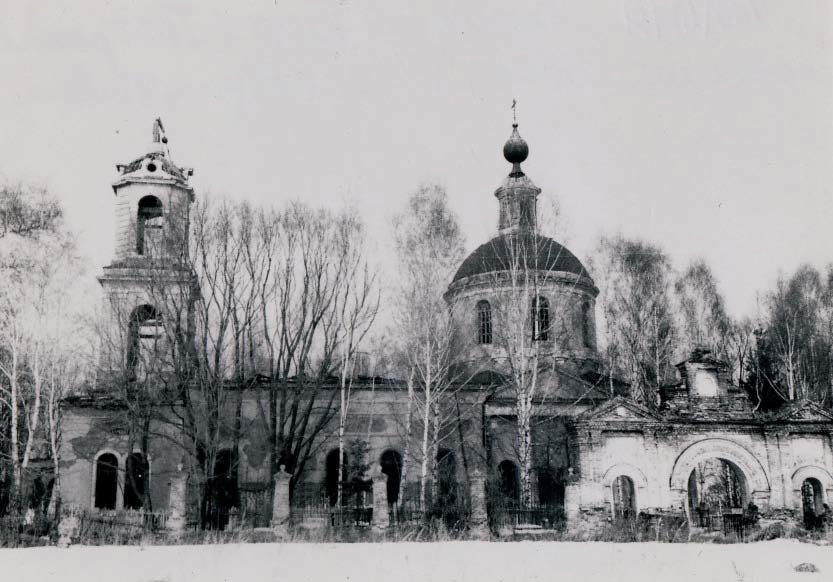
478, 561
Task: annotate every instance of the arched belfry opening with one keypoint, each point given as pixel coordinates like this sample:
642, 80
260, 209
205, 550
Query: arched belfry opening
149, 228
144, 334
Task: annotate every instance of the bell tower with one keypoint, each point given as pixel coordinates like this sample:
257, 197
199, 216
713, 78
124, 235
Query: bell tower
152, 205
149, 282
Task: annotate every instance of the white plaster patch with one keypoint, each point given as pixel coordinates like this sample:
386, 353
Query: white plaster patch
808, 450
627, 447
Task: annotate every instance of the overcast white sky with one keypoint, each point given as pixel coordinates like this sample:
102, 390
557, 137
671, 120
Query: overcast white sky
705, 126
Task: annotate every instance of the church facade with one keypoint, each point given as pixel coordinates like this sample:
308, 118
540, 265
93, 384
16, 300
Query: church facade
596, 456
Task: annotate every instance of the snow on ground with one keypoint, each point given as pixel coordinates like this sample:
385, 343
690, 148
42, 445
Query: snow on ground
480, 561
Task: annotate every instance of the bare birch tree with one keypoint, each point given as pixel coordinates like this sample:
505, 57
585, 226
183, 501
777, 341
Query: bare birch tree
635, 279
702, 318
795, 329
38, 301
429, 247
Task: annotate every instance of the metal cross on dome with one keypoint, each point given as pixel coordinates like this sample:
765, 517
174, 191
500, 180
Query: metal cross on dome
514, 112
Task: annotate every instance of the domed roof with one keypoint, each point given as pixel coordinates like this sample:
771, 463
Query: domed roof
515, 150
498, 254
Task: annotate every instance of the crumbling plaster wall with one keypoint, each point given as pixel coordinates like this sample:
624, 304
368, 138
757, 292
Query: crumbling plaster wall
659, 460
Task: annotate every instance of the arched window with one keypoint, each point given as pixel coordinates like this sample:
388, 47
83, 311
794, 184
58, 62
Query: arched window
812, 502
484, 322
135, 481
509, 479
106, 481
586, 329
144, 334
624, 499
391, 462
540, 319
149, 236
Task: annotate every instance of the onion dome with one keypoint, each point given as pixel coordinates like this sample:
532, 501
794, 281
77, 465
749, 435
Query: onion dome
515, 150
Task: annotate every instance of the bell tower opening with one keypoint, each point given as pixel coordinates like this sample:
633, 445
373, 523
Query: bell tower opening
149, 231
144, 334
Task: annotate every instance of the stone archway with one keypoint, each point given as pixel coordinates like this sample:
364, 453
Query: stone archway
612, 483
752, 473
823, 479
812, 472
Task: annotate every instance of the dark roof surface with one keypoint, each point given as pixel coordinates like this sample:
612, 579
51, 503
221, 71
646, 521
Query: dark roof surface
500, 253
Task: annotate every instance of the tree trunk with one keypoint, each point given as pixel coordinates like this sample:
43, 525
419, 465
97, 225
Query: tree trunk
53, 412
406, 455
15, 430
342, 418
426, 425
525, 450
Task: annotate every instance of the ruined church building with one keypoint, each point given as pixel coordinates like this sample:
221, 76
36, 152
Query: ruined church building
597, 454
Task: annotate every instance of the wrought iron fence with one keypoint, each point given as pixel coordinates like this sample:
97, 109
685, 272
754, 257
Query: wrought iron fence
509, 513
408, 512
735, 522
22, 530
255, 505
311, 501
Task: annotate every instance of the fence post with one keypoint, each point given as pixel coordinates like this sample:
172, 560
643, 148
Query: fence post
572, 503
68, 528
280, 504
479, 521
177, 501
381, 516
